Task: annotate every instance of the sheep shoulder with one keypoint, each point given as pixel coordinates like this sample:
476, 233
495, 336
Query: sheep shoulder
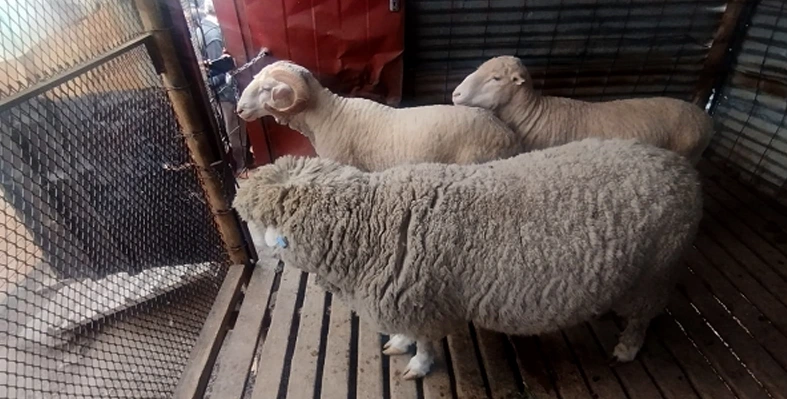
455, 134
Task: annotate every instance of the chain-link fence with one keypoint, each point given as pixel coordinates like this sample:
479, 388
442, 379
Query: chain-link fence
109, 256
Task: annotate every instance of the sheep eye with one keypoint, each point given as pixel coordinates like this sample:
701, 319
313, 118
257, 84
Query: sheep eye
496, 78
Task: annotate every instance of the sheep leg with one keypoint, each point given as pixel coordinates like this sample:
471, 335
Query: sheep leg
399, 344
420, 364
631, 340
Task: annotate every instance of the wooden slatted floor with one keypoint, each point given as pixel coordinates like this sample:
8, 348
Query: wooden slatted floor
724, 334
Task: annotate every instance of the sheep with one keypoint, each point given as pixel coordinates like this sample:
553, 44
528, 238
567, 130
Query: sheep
504, 86
526, 245
370, 135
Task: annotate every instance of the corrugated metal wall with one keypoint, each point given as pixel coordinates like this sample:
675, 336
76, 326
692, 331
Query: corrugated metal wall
752, 106
589, 49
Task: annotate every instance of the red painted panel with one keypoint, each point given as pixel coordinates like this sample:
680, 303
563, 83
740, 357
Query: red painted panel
353, 46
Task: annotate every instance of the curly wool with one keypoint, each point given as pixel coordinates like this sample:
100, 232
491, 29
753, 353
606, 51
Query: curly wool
524, 245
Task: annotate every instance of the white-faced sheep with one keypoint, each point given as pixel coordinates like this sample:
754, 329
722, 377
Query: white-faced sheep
525, 245
504, 86
370, 135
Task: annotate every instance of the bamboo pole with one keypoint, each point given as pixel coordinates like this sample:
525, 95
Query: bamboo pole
193, 128
196, 133
712, 73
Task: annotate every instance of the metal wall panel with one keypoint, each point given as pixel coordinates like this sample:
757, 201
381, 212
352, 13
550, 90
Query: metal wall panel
590, 49
353, 46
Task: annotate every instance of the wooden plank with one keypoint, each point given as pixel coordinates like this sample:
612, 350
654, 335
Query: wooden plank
773, 213
769, 337
768, 372
401, 388
664, 370
335, 376
756, 243
274, 345
467, 373
492, 346
633, 376
772, 281
303, 371
568, 378
539, 383
748, 285
713, 349
238, 350
437, 384
725, 204
602, 380
702, 375
198, 368
370, 362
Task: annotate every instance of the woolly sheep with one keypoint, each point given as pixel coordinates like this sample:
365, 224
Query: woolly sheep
525, 245
504, 86
370, 135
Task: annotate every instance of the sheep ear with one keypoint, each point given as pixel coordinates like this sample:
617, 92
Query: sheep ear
518, 79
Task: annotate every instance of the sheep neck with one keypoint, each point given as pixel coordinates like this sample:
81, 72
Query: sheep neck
321, 122
527, 114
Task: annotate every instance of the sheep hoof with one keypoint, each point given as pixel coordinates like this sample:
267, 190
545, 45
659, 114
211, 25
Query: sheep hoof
397, 345
418, 367
624, 353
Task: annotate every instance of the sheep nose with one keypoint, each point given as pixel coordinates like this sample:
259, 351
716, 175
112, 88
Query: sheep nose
456, 94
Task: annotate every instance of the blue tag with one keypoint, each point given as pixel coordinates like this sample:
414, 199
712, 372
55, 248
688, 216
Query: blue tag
281, 241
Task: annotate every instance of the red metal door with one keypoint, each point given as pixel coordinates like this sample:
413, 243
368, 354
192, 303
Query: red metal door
353, 46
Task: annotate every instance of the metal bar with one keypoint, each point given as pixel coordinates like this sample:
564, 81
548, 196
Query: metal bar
65, 76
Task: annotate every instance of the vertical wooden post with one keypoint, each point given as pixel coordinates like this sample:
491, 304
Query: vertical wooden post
194, 130
711, 73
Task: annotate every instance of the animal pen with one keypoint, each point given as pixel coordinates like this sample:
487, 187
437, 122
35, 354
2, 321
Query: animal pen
125, 273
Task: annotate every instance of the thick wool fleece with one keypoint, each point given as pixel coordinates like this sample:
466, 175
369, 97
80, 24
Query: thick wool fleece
526, 245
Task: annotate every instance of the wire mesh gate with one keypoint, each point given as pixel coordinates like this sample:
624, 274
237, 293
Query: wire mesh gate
110, 257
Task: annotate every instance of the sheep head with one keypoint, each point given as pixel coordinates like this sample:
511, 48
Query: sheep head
493, 84
275, 196
281, 90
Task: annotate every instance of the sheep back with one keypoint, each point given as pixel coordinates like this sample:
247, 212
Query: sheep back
373, 137
525, 245
664, 122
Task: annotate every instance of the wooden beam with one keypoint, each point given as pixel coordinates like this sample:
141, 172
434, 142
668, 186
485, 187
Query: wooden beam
195, 377
196, 133
718, 55
238, 350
